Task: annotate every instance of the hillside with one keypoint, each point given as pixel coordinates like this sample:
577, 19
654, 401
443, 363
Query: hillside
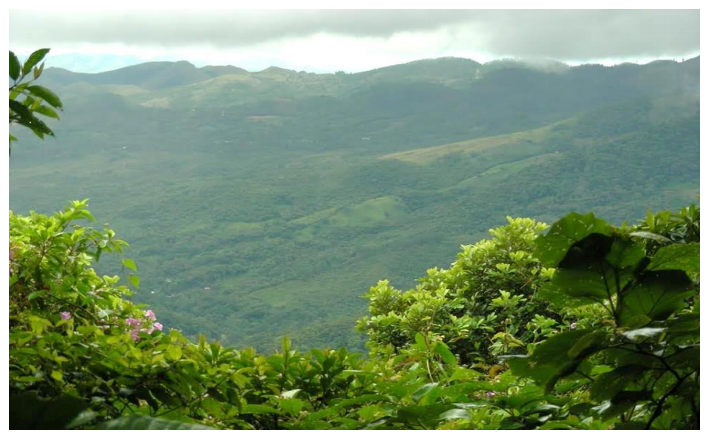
263, 204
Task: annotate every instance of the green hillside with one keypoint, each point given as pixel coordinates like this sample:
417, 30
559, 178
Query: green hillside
265, 204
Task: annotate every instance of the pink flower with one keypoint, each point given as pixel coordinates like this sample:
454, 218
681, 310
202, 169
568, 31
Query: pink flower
66, 315
133, 322
157, 326
572, 326
135, 334
490, 394
150, 314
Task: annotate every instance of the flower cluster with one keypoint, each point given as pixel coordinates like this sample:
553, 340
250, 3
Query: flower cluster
147, 324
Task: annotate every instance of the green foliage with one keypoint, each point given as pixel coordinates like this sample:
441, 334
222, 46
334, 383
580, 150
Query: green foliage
485, 305
82, 356
640, 360
26, 99
617, 348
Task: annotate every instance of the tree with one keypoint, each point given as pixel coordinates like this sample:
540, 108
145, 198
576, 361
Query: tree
28, 100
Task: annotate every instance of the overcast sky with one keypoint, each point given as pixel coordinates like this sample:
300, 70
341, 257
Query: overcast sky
357, 40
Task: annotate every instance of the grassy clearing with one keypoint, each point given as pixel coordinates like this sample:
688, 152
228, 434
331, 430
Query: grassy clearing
432, 153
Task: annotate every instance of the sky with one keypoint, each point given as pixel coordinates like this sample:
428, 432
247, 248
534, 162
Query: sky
351, 40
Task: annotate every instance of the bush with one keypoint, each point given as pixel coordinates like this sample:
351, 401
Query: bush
485, 305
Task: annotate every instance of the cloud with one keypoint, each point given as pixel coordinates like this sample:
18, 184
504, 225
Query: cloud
568, 35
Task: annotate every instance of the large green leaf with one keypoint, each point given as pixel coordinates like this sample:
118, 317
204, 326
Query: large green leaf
29, 412
442, 349
676, 257
46, 94
136, 422
656, 296
625, 253
557, 357
551, 248
607, 385
570, 288
47, 111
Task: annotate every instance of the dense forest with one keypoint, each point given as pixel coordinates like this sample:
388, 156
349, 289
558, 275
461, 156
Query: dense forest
271, 203
266, 204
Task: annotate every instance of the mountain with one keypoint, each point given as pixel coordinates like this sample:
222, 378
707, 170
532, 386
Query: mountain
150, 76
265, 204
89, 63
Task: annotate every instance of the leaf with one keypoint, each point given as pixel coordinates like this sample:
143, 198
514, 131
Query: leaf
420, 341
290, 393
551, 360
14, 66
33, 60
453, 414
47, 111
656, 296
136, 422
37, 294
465, 374
676, 257
423, 391
651, 236
130, 264
625, 253
425, 414
586, 343
570, 288
291, 406
29, 412
551, 248
607, 385
37, 71
174, 352
643, 333
134, 280
258, 409
445, 353
81, 419
46, 94
330, 411
687, 357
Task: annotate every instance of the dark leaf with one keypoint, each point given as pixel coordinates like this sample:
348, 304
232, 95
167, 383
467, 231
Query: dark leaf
29, 412
552, 247
656, 296
14, 66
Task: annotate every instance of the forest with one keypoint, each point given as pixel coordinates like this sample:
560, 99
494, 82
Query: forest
551, 319
254, 200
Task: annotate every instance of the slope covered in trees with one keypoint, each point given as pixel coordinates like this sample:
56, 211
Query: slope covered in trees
265, 204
